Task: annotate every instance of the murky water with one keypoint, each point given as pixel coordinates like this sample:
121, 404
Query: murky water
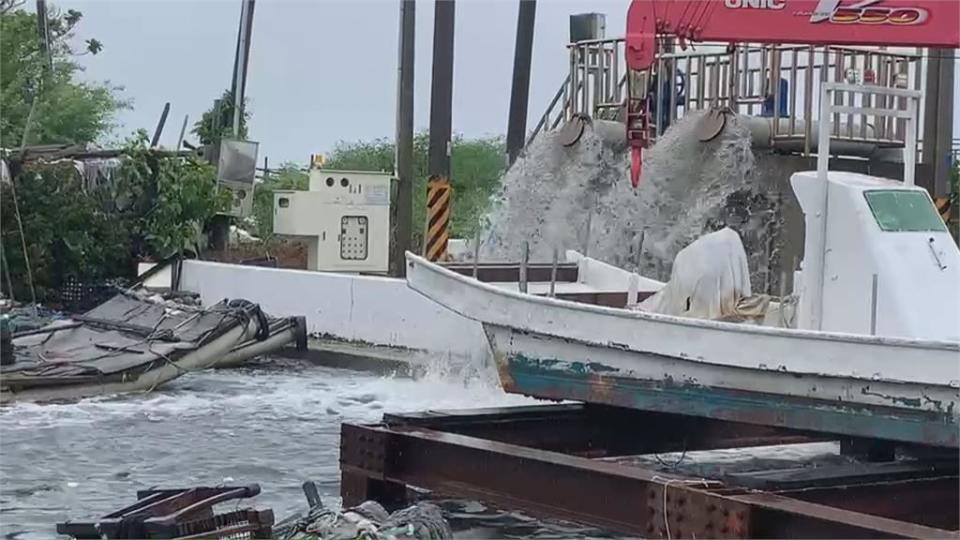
276, 427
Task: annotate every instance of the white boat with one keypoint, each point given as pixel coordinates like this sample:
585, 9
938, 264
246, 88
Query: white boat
874, 350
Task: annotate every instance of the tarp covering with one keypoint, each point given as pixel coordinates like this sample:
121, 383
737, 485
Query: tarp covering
710, 280
122, 334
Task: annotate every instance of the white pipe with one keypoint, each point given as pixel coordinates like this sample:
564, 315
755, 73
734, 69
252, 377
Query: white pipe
249, 350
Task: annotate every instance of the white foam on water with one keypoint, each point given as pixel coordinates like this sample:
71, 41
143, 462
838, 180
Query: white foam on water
552, 194
269, 394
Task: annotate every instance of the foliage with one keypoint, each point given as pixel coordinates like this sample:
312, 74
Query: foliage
206, 128
180, 195
68, 232
154, 207
287, 177
67, 110
476, 166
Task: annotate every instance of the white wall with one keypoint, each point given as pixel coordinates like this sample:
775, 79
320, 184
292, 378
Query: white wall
382, 311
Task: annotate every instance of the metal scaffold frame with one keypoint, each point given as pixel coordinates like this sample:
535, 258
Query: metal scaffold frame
574, 462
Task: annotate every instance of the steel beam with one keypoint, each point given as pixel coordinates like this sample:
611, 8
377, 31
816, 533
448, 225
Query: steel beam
612, 496
596, 430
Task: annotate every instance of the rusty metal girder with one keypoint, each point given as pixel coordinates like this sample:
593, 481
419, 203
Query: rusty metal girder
605, 494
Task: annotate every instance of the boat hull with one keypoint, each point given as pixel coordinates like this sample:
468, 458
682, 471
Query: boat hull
554, 368
861, 386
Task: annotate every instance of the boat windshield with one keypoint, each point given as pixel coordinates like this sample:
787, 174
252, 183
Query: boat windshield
901, 210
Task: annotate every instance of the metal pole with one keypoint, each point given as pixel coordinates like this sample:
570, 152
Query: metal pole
163, 120
403, 227
553, 272
441, 92
243, 48
476, 254
519, 95
523, 267
930, 114
248, 34
183, 131
873, 306
944, 125
815, 263
43, 29
910, 145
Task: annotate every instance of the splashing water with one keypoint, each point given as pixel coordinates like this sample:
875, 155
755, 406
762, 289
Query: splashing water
581, 198
276, 427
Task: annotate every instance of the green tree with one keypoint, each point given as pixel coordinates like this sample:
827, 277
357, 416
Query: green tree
66, 110
476, 166
179, 195
206, 129
68, 231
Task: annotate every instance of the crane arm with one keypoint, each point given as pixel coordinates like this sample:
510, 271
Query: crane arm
911, 23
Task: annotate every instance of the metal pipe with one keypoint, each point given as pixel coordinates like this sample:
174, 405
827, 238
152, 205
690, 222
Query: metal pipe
910, 146
240, 61
249, 350
794, 58
553, 272
775, 78
574, 83
476, 254
524, 261
584, 58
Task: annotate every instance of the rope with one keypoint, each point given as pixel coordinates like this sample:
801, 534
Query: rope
666, 486
16, 207
23, 245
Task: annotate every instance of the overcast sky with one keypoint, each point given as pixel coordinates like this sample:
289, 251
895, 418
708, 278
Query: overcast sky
320, 71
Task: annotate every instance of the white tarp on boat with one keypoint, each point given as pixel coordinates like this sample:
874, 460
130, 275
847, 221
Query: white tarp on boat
710, 280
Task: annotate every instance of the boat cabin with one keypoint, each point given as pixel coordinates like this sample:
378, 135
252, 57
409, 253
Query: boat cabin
883, 263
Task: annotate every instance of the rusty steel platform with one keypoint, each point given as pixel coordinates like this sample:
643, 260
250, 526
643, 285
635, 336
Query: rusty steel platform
591, 464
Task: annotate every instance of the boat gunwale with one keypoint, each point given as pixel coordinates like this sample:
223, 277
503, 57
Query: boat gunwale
723, 326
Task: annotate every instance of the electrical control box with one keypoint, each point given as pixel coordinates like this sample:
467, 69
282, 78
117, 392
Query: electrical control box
236, 167
344, 219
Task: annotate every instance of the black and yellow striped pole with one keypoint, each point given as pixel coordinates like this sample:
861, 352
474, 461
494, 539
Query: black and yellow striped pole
439, 203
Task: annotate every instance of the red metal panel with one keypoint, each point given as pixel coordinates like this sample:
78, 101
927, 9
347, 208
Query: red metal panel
911, 23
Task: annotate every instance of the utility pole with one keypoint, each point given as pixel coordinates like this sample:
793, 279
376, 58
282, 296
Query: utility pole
441, 90
43, 29
403, 224
938, 119
240, 63
519, 95
439, 198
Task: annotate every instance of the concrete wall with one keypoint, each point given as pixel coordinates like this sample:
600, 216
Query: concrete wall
381, 311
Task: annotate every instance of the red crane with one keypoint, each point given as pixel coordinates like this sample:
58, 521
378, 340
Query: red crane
912, 23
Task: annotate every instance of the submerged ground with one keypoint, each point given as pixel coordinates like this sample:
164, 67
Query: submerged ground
276, 426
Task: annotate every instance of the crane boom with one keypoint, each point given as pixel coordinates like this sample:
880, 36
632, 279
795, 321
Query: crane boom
912, 23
